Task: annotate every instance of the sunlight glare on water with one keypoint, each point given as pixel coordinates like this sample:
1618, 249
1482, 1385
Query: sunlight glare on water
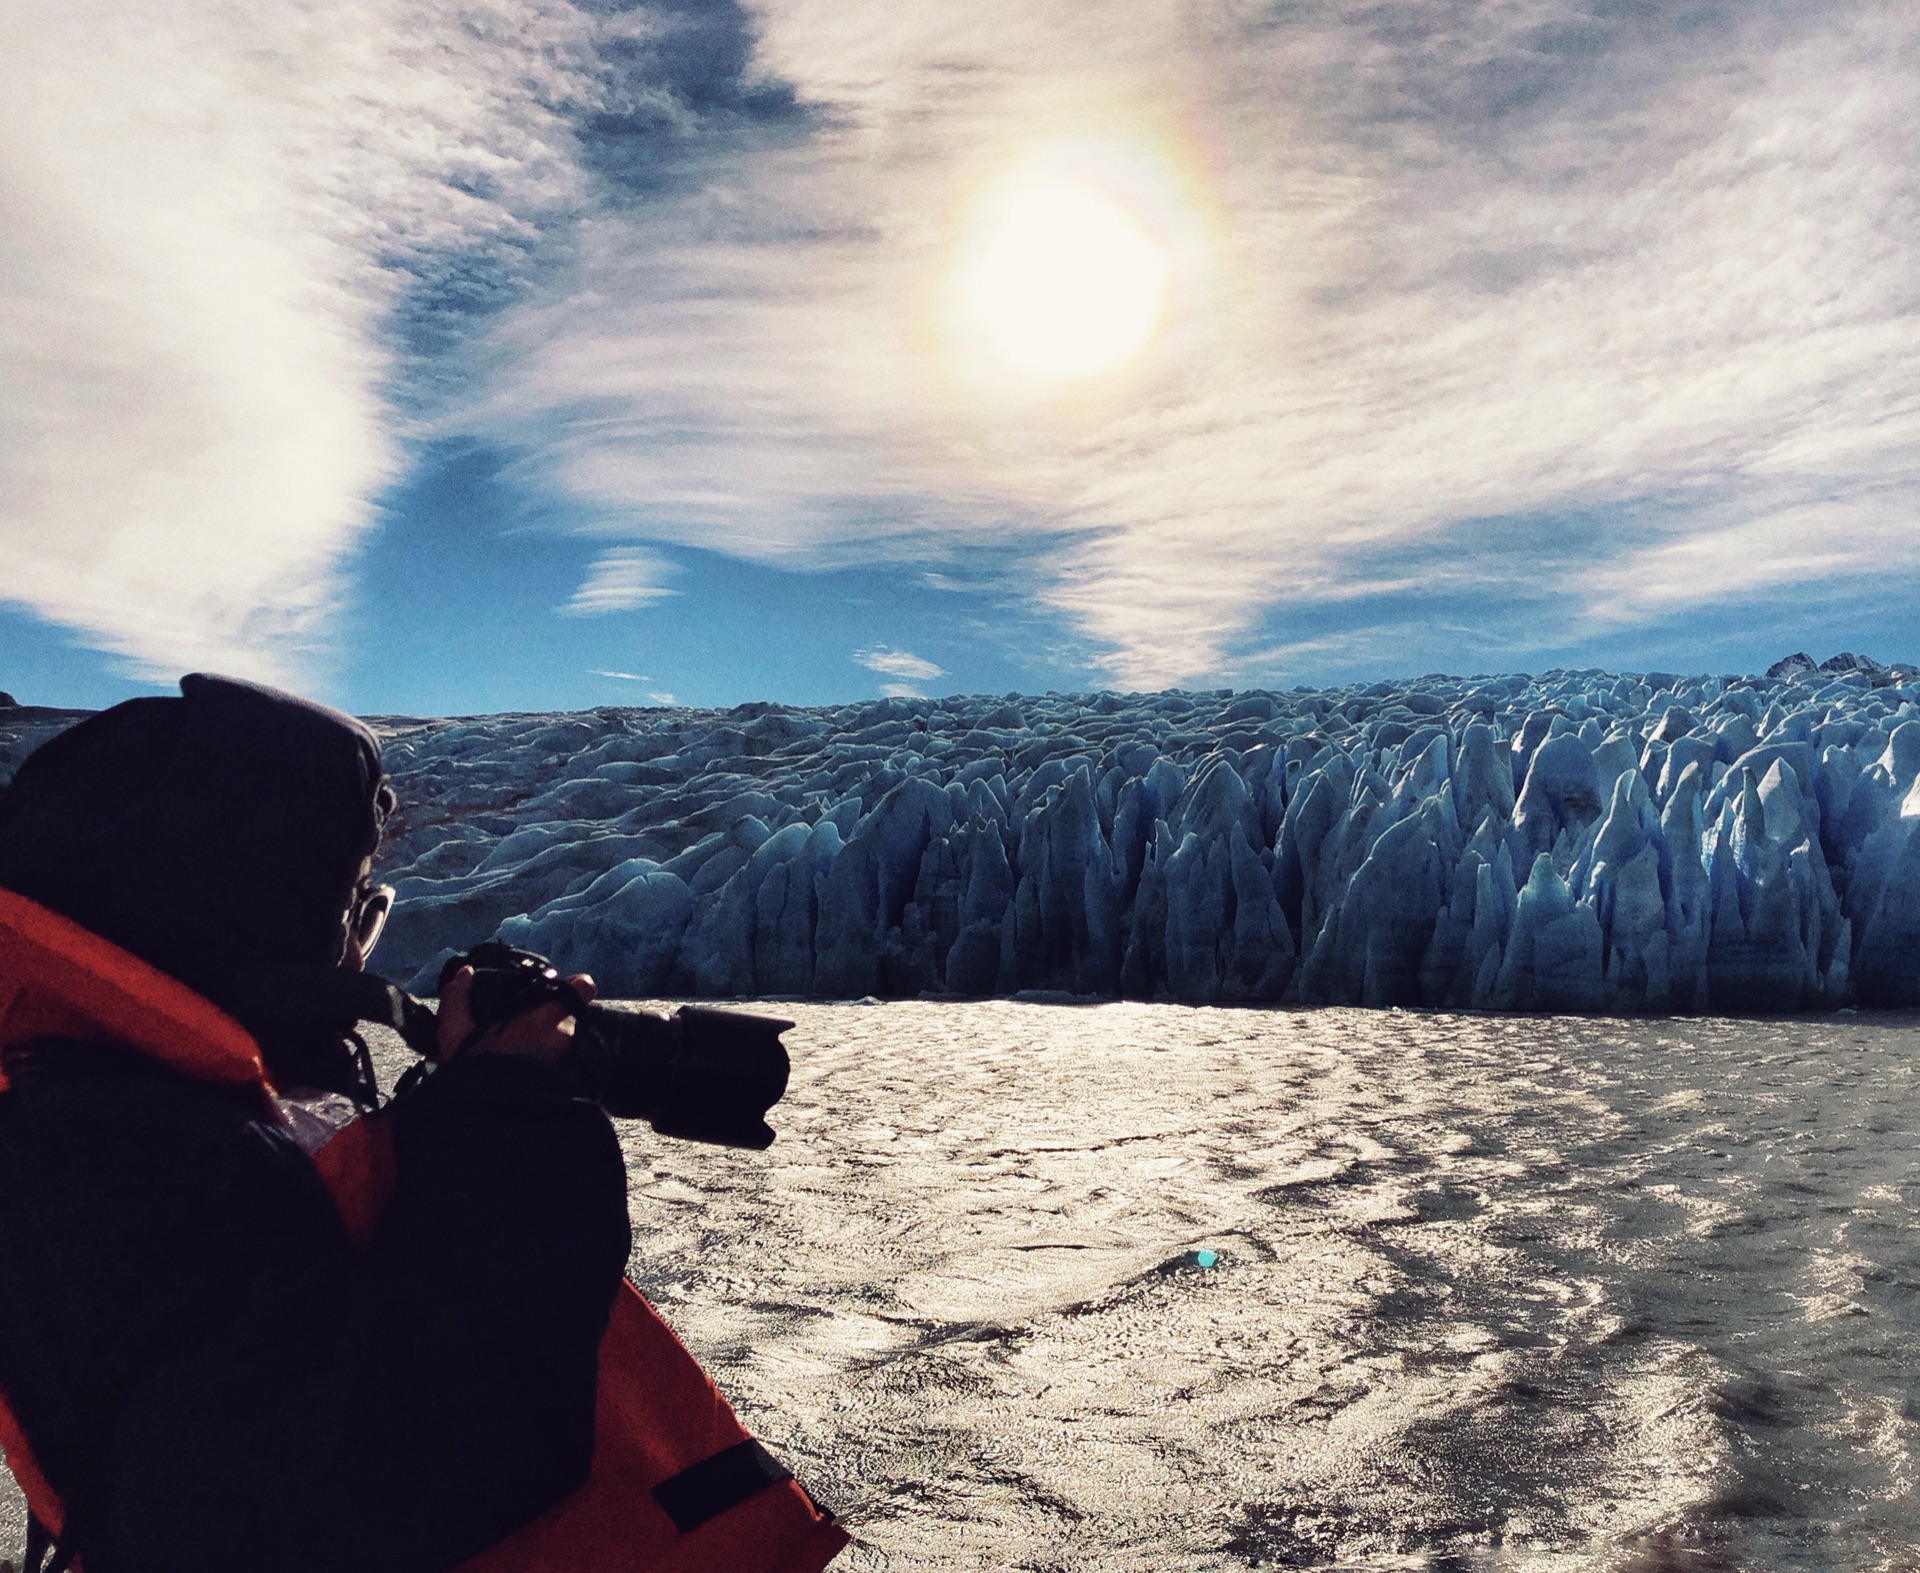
1488, 1292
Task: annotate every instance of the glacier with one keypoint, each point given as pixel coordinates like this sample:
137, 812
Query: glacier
1571, 841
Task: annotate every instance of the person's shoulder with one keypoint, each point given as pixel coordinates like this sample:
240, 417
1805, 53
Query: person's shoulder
104, 1075
106, 1140
119, 1111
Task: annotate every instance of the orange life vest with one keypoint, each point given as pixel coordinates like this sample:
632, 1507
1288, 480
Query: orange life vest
676, 1483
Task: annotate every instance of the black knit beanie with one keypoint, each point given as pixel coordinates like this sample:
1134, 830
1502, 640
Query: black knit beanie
218, 836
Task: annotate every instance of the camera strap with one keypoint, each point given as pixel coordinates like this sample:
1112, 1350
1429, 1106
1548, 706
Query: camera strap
306, 1021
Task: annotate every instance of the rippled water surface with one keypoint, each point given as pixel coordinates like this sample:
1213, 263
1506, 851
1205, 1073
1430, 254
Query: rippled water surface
1487, 1292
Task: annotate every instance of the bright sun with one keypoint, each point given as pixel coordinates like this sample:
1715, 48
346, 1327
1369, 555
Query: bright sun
1069, 283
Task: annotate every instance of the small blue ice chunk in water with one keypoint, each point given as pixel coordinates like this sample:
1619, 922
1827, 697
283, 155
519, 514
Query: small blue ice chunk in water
1204, 1258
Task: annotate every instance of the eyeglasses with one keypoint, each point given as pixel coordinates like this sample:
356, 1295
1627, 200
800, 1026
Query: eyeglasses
371, 906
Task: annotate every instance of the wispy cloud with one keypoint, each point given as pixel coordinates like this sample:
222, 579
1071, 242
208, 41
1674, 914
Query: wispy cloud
899, 663
620, 581
208, 216
1802, 546
625, 677
1436, 263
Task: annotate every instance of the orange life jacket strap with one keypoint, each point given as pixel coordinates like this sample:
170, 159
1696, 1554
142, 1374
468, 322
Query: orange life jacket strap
359, 1168
60, 980
41, 1497
674, 1486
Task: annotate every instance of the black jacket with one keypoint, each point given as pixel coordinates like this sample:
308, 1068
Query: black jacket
215, 1379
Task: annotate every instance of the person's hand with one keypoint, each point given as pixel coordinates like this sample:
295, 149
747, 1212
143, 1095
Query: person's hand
543, 1033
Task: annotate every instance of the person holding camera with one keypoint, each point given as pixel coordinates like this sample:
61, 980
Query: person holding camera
250, 1319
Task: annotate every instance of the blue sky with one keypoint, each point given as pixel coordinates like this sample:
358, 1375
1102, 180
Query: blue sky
435, 356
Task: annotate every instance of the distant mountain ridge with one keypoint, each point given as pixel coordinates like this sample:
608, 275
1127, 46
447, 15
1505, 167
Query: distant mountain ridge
1800, 664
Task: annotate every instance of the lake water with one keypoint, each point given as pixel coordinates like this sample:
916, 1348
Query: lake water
1487, 1292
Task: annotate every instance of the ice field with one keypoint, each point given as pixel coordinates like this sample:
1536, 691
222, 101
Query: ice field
1576, 841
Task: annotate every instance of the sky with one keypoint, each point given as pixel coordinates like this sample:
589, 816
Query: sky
437, 357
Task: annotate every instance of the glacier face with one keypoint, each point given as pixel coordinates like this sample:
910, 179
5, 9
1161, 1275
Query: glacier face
1575, 841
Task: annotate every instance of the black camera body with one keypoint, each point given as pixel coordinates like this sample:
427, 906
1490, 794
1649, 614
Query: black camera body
700, 1074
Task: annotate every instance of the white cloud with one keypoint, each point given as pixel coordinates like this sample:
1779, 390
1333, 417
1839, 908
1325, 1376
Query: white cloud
899, 663
205, 213
1434, 263
1801, 546
619, 581
625, 677
1437, 264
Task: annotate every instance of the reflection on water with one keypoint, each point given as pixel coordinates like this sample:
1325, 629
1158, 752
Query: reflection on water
1488, 1293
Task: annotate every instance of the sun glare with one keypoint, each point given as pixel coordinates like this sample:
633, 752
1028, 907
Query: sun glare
1069, 284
